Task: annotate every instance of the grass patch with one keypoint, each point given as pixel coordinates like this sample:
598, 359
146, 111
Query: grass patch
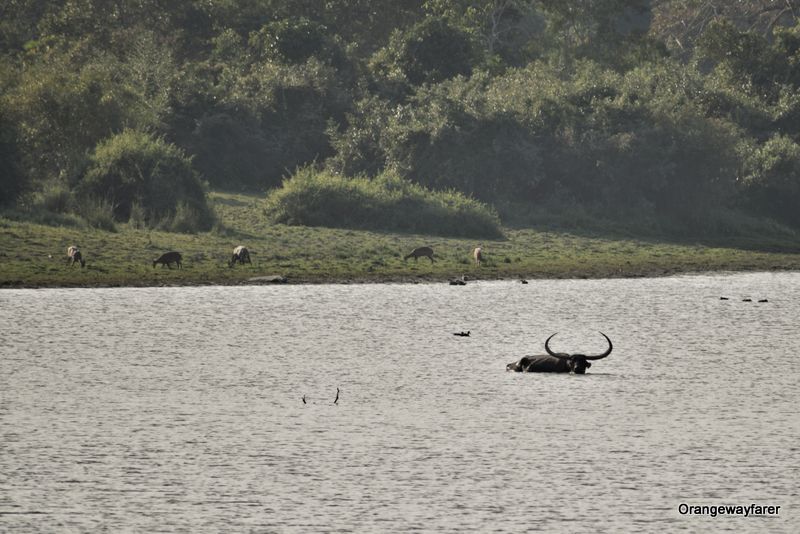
33, 254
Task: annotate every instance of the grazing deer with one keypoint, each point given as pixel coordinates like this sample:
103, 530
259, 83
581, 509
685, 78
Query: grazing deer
420, 251
240, 255
74, 256
167, 258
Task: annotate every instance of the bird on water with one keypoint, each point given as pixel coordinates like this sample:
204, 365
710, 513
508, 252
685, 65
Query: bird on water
337, 396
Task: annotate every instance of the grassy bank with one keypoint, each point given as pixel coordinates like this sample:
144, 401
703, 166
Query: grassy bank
33, 255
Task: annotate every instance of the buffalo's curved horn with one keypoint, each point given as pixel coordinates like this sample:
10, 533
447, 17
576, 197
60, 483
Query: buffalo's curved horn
606, 353
563, 356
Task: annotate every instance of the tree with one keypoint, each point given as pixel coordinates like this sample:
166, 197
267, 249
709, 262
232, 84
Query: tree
429, 52
13, 180
771, 183
62, 114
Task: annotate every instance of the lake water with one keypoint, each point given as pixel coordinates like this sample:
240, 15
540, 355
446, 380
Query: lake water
180, 409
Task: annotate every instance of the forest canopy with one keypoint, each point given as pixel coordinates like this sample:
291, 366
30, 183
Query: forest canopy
664, 112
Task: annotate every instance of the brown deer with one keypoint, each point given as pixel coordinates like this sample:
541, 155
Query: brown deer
420, 251
167, 258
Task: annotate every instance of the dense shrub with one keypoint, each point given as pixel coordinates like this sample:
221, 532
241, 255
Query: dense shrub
771, 184
98, 213
386, 202
444, 137
13, 180
491, 158
233, 151
136, 168
62, 114
614, 143
357, 146
269, 117
53, 196
291, 41
431, 51
553, 106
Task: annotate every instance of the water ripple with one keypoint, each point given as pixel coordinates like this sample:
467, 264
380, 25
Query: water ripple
179, 409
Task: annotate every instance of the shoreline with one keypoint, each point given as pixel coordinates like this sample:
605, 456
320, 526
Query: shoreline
305, 279
33, 256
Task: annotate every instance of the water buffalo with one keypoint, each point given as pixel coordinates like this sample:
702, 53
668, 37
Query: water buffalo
557, 362
420, 251
240, 255
167, 258
74, 256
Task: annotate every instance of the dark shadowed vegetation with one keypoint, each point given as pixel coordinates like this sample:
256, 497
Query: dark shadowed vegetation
676, 118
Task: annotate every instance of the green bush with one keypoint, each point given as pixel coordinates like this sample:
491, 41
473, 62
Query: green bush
187, 219
55, 197
136, 168
771, 184
269, 117
98, 213
234, 152
63, 110
291, 40
386, 202
431, 51
13, 180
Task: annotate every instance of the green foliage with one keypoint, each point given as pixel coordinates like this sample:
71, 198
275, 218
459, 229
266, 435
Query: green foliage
290, 40
611, 31
98, 213
62, 114
538, 107
429, 52
55, 197
591, 138
357, 147
189, 218
750, 57
136, 168
269, 116
235, 152
13, 180
741, 54
386, 202
149, 71
442, 142
771, 184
